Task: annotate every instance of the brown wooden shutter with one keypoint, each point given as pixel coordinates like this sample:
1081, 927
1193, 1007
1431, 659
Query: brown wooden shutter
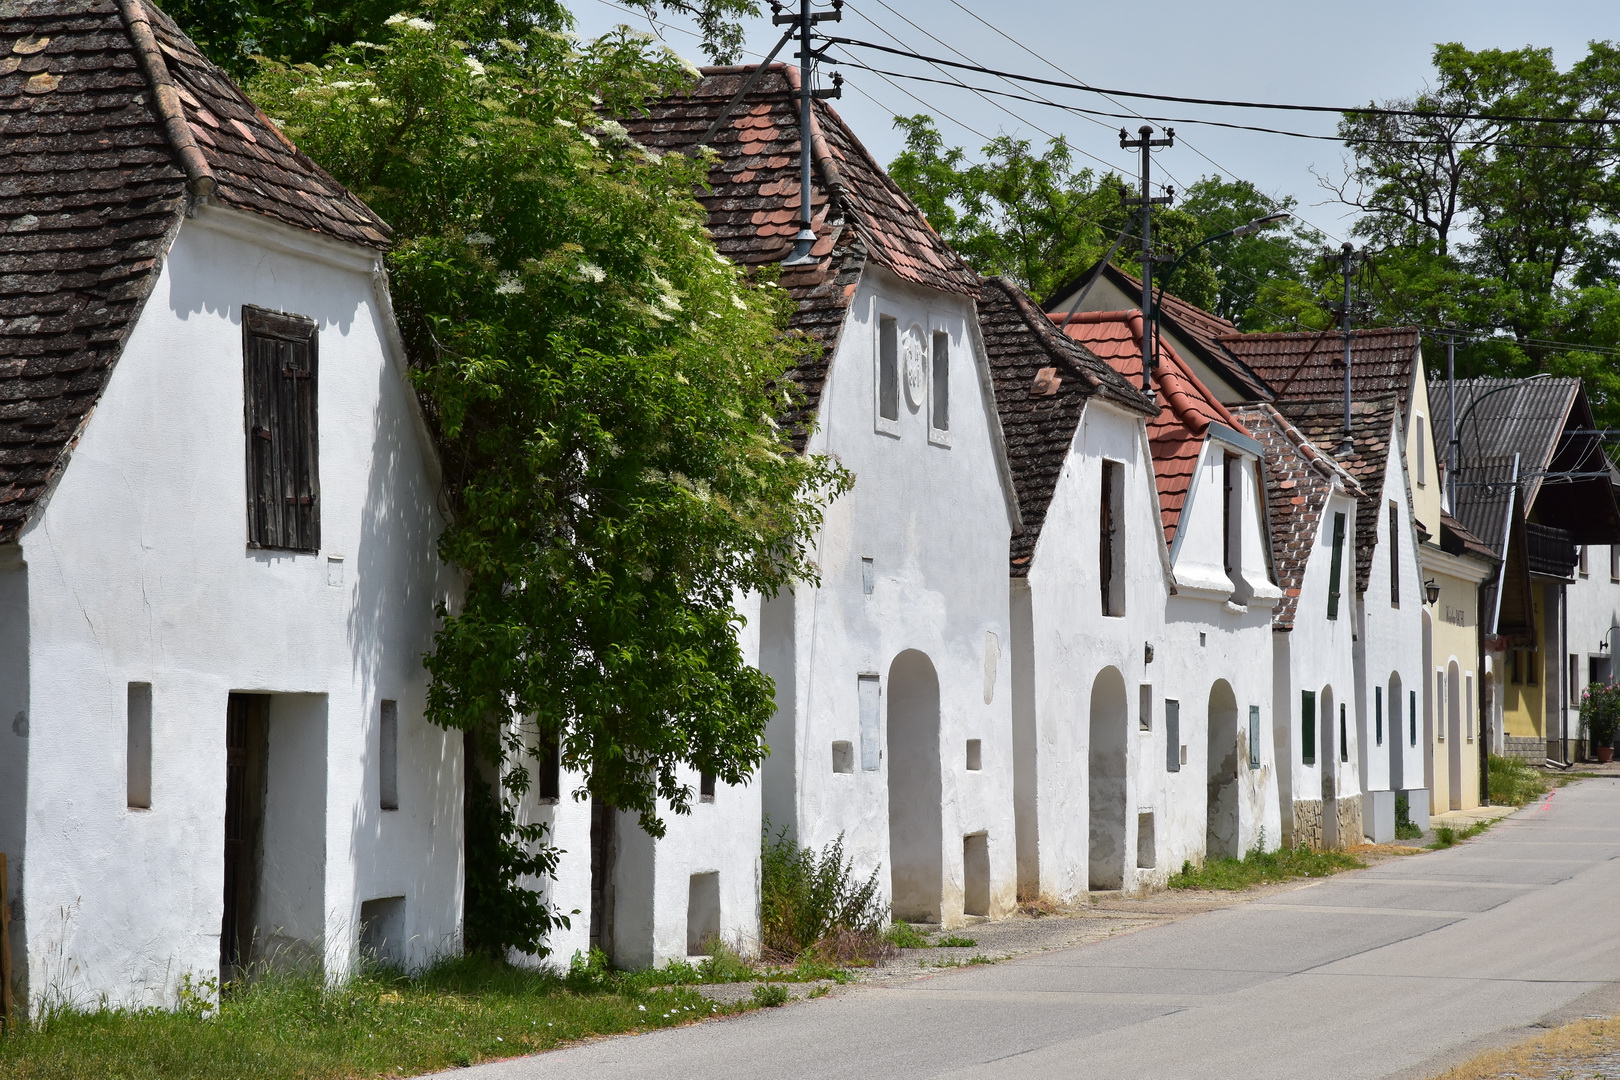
283, 463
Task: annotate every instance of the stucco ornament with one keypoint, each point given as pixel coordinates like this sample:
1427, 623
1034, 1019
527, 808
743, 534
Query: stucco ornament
915, 367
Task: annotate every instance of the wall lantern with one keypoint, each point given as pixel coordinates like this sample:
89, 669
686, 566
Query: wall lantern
1432, 591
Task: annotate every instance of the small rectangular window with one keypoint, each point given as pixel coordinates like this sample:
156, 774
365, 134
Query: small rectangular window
388, 756
1378, 716
1110, 539
843, 757
1580, 560
1172, 735
975, 755
138, 747
1146, 849
871, 722
1231, 491
1468, 705
1307, 727
868, 577
1144, 707
1254, 736
888, 368
706, 787
1394, 556
283, 467
1411, 715
1336, 571
1440, 705
1344, 736
548, 784
939, 413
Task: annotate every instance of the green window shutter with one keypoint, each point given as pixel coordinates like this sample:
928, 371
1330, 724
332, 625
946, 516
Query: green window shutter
1338, 566
1378, 715
1344, 737
1307, 726
1411, 714
1254, 736
1172, 735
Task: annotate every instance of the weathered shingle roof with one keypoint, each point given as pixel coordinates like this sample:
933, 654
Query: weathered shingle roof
1176, 434
92, 187
753, 201
1039, 421
1310, 365
1372, 427
1299, 478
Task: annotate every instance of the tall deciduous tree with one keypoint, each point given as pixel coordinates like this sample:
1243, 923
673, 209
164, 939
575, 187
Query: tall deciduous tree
1504, 229
604, 386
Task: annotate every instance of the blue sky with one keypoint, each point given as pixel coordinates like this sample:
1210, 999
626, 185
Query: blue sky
1265, 50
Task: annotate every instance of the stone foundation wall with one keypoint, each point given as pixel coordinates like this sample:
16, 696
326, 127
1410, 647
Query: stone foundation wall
1530, 748
1307, 825
1349, 816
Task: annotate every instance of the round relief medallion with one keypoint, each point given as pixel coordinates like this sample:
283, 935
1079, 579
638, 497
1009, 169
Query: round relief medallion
915, 366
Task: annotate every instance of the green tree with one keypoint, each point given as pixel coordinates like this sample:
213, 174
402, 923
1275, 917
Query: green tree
1041, 220
604, 387
1503, 229
232, 32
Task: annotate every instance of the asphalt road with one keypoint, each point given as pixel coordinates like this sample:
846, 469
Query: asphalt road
1394, 971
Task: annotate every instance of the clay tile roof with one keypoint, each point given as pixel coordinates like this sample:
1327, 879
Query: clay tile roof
1372, 426
92, 188
1310, 365
1176, 434
1457, 540
1039, 423
1299, 477
753, 201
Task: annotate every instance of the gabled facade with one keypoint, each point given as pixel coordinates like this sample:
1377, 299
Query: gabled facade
894, 720
1312, 503
1213, 792
218, 523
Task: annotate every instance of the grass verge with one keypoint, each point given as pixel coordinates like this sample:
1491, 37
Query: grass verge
292, 1027
1586, 1048
1263, 868
1445, 836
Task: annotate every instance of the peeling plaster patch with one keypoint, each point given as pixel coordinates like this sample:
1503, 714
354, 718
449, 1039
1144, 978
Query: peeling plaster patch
992, 662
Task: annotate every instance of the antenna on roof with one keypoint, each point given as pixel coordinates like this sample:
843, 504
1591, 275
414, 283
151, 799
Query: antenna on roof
803, 22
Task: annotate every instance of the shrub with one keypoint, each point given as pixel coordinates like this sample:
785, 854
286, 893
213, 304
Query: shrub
1600, 714
813, 900
770, 995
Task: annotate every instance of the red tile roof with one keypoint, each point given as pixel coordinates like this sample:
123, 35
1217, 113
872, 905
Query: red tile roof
102, 144
753, 202
1042, 382
1176, 435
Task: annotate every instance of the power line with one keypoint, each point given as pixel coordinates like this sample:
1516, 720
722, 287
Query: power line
1367, 110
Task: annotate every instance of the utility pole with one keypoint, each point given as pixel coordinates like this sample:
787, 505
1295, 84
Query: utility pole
803, 22
1451, 394
1347, 255
1145, 142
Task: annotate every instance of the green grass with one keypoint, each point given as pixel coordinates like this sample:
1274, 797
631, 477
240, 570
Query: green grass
905, 936
1445, 836
292, 1027
955, 941
1261, 868
1514, 783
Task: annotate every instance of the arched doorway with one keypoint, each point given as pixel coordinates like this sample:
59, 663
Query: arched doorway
1107, 776
1396, 733
1327, 757
916, 833
1221, 825
1454, 714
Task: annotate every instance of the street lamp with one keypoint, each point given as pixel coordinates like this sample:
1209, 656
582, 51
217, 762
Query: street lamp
1432, 590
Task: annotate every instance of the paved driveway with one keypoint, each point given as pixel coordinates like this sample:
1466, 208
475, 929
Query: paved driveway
1393, 971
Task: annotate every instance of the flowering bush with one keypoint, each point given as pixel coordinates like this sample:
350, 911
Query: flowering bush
1600, 713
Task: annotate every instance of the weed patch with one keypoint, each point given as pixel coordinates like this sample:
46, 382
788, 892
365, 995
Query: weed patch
1514, 783
955, 941
812, 901
456, 1013
1404, 827
905, 936
1445, 836
770, 995
1262, 868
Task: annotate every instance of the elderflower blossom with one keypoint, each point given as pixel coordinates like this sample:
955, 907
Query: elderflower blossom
509, 285
589, 271
414, 22
479, 239
473, 65
613, 129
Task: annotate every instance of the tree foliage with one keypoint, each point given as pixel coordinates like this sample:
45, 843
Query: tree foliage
232, 32
604, 386
1042, 220
1503, 229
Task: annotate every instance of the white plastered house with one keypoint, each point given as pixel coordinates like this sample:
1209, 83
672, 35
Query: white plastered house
1199, 766
218, 524
893, 725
